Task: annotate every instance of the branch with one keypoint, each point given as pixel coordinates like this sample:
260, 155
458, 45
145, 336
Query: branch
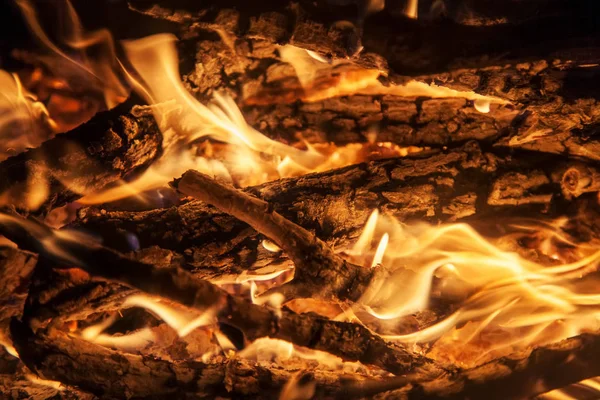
318, 270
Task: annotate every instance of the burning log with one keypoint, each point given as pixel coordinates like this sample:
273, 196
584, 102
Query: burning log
503, 377
463, 184
485, 130
318, 270
540, 104
61, 357
110, 147
178, 285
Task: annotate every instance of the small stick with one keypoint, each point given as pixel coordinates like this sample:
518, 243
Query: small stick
318, 270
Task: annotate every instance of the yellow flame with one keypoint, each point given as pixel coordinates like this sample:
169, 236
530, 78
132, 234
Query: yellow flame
8, 346
131, 341
182, 321
183, 120
378, 257
412, 9
309, 69
499, 290
24, 121
267, 350
592, 383
270, 246
294, 389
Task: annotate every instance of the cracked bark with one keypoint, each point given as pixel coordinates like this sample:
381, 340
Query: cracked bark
104, 150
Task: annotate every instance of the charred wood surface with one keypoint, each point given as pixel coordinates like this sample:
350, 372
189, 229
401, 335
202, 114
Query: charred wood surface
109, 373
464, 184
440, 186
410, 47
178, 285
106, 149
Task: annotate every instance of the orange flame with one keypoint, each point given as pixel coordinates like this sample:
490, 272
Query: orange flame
520, 300
100, 69
24, 121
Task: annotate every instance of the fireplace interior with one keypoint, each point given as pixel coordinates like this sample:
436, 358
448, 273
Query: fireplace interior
298, 199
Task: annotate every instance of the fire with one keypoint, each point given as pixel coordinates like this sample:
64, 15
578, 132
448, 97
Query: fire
503, 300
250, 157
100, 69
8, 346
24, 121
45, 382
312, 71
267, 350
295, 389
134, 340
182, 321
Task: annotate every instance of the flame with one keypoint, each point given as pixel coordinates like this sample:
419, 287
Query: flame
45, 382
8, 346
267, 350
592, 387
258, 283
182, 321
296, 389
592, 383
24, 121
311, 71
184, 120
135, 340
412, 9
250, 157
505, 300
100, 69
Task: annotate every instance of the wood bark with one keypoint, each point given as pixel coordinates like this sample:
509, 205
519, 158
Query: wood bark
462, 184
410, 47
551, 107
534, 157
55, 355
104, 150
178, 285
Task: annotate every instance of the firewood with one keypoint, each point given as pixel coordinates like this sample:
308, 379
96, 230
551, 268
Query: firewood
318, 271
106, 149
516, 376
179, 285
105, 372
57, 356
462, 184
410, 47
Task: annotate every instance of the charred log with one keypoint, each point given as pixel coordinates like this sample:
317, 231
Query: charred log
180, 286
108, 148
411, 47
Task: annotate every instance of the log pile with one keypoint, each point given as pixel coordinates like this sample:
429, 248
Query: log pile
533, 155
